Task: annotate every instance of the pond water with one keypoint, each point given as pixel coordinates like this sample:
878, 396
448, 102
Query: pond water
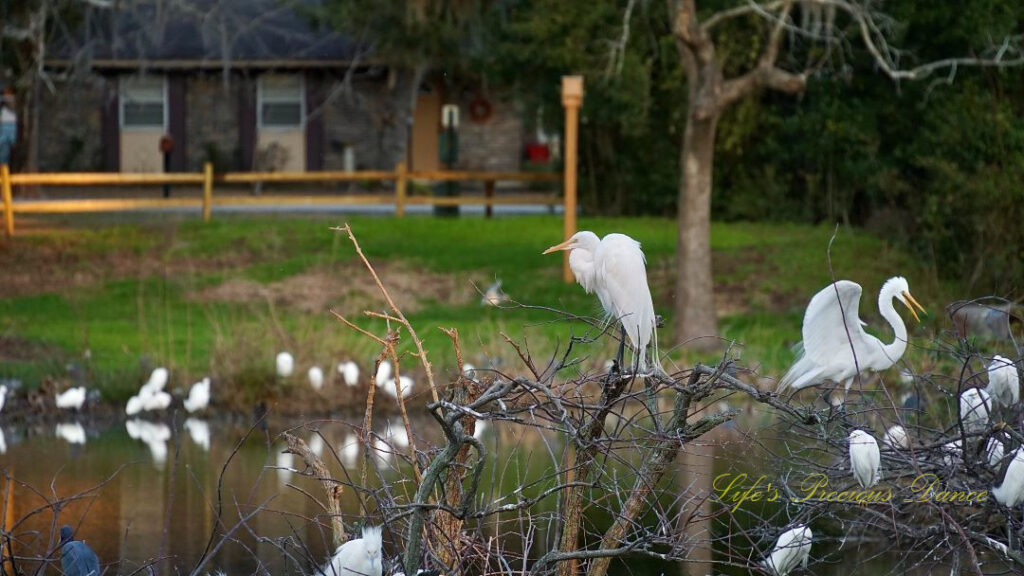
147, 492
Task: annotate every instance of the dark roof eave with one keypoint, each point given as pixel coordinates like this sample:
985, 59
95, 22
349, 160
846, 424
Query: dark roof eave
205, 65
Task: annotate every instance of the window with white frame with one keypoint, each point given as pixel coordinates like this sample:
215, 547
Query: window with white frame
143, 102
280, 101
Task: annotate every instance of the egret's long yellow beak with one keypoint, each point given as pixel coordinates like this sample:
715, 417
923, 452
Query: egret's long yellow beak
913, 303
563, 246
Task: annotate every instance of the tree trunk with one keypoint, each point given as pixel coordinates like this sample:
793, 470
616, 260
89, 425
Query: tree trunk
695, 316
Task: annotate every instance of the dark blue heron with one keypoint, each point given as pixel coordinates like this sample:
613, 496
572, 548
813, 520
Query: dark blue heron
77, 559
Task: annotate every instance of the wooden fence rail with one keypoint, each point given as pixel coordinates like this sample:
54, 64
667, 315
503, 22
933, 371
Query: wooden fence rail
208, 178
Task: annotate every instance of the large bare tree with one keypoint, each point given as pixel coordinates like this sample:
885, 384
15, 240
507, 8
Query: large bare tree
827, 23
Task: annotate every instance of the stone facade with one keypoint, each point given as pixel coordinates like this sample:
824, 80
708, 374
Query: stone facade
211, 121
353, 118
70, 125
495, 143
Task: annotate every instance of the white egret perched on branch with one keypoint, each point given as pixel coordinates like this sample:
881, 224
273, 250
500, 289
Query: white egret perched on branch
865, 461
835, 345
791, 549
1003, 383
359, 557
1011, 491
614, 268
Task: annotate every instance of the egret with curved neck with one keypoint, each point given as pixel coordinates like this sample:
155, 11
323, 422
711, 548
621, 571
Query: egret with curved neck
835, 345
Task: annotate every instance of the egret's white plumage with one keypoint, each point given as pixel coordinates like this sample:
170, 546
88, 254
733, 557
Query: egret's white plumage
896, 438
72, 433
198, 396
71, 399
1003, 381
156, 401
134, 406
792, 549
3, 396
349, 373
405, 384
285, 364
3, 442
468, 369
951, 452
199, 432
157, 380
383, 372
615, 270
975, 407
832, 322
359, 557
397, 434
316, 444
316, 377
1011, 492
994, 452
865, 460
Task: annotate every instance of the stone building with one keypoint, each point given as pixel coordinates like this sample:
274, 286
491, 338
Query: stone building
247, 85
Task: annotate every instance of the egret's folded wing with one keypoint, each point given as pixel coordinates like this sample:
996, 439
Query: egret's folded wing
621, 265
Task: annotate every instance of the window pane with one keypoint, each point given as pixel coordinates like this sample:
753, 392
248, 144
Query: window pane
142, 88
282, 114
144, 114
280, 87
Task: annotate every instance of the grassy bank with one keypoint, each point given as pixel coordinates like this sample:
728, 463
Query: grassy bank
224, 297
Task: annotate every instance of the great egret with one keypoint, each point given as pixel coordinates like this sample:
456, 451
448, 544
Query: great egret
159, 400
865, 461
72, 433
359, 557
975, 406
76, 558
134, 406
829, 330
199, 432
896, 438
791, 549
285, 364
1003, 382
71, 399
994, 452
316, 377
349, 373
3, 442
614, 268
1011, 492
157, 381
198, 396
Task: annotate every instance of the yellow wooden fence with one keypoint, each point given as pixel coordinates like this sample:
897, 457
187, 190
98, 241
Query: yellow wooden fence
208, 178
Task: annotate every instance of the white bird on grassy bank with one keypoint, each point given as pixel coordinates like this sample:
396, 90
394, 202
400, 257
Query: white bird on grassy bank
71, 399
349, 373
198, 397
316, 378
285, 364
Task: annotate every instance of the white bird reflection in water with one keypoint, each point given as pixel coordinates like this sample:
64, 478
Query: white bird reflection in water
154, 434
285, 465
396, 433
316, 444
199, 432
349, 450
3, 442
381, 451
70, 432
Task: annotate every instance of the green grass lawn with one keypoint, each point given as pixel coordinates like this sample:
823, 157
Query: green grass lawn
188, 295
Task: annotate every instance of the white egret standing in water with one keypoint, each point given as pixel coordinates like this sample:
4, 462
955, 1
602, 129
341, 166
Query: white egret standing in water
865, 461
71, 399
791, 550
359, 557
1011, 492
832, 323
615, 269
198, 396
316, 378
285, 364
1003, 381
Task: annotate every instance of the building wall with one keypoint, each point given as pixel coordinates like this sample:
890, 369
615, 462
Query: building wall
70, 126
492, 144
140, 150
212, 121
354, 119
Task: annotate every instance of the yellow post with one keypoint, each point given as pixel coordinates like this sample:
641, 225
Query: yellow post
207, 190
5, 190
572, 100
400, 192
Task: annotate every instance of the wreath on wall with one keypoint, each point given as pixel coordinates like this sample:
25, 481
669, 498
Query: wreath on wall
480, 109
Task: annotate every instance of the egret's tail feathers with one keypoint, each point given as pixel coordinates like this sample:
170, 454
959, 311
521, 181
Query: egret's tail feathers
802, 374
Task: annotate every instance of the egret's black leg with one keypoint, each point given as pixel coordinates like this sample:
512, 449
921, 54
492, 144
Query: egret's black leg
622, 347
